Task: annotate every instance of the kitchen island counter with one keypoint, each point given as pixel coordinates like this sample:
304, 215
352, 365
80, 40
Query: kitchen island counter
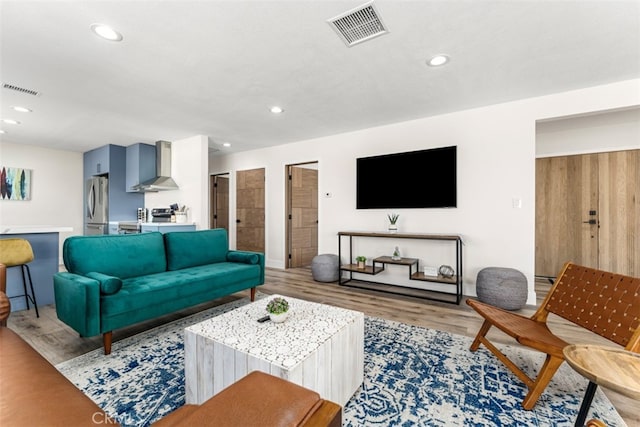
32, 229
45, 241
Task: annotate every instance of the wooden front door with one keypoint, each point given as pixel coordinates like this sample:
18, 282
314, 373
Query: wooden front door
219, 202
566, 191
619, 189
302, 215
250, 210
587, 212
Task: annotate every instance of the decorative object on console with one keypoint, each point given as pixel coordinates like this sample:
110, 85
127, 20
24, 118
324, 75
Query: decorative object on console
430, 271
396, 254
361, 260
393, 219
278, 309
446, 271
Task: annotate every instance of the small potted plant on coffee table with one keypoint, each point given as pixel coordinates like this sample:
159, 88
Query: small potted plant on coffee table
278, 309
361, 260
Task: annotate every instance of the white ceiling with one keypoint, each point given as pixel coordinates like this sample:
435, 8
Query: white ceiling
214, 67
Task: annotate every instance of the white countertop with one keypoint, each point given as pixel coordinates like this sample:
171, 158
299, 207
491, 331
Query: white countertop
30, 229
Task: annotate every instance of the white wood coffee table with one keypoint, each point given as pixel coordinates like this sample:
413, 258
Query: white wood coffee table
319, 347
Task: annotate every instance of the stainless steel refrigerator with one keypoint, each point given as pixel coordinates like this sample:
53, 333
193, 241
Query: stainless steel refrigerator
97, 209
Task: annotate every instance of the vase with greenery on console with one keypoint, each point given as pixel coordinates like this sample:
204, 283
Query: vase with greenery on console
361, 260
278, 309
393, 219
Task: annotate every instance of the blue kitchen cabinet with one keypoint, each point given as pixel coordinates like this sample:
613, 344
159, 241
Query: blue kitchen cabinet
141, 164
167, 228
110, 161
97, 161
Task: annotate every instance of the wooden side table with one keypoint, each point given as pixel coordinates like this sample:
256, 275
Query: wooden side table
613, 368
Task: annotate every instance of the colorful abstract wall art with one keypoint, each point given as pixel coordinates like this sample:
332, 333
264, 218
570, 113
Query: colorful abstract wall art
15, 184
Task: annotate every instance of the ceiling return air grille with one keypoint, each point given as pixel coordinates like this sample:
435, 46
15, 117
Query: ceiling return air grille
20, 89
358, 25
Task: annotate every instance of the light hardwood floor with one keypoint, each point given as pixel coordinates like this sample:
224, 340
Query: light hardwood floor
57, 342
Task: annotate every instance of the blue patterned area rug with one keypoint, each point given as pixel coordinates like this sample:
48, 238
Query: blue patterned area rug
413, 377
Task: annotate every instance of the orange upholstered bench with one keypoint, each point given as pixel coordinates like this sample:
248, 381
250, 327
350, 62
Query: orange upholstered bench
259, 399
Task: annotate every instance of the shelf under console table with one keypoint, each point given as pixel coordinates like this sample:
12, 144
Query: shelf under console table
379, 264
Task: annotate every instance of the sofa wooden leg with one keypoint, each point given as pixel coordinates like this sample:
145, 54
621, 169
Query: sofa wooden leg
253, 294
106, 340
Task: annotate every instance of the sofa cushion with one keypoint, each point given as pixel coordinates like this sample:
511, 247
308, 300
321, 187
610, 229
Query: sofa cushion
138, 293
124, 256
193, 248
108, 284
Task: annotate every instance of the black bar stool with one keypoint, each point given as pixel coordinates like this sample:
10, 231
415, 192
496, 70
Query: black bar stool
18, 253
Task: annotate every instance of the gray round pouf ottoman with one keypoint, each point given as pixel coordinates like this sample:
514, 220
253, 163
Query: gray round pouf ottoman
502, 287
324, 268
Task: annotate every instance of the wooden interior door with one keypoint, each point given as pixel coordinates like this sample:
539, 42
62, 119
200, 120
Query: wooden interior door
302, 214
219, 202
619, 215
587, 211
250, 210
566, 191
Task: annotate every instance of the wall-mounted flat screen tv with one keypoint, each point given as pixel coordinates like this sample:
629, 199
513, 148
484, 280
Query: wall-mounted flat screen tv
415, 179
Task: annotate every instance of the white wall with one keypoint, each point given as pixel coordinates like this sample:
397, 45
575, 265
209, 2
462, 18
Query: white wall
56, 193
592, 133
496, 164
189, 166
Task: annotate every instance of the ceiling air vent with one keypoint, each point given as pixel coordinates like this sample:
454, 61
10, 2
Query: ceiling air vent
358, 25
20, 89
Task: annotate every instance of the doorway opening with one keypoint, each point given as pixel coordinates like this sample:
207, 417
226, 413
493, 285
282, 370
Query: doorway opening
301, 214
587, 192
219, 201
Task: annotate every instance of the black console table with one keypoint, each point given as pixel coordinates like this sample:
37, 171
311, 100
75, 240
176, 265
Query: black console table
379, 264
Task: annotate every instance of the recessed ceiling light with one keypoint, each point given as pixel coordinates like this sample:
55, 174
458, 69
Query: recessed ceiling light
1, 131
21, 109
438, 60
10, 121
276, 110
226, 144
106, 32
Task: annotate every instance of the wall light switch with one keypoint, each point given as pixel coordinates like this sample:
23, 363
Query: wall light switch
516, 203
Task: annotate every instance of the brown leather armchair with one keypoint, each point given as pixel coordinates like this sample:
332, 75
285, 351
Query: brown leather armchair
32, 391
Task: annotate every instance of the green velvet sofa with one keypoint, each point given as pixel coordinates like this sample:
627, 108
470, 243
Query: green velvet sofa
115, 281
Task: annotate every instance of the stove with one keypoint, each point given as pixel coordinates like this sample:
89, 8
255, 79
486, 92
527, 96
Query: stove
128, 227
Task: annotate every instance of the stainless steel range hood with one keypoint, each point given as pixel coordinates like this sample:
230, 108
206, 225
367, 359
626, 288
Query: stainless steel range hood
163, 180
